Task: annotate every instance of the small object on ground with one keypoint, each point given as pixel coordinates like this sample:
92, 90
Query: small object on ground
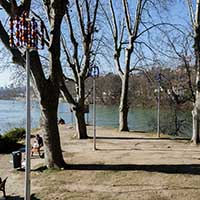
17, 158
2, 186
61, 121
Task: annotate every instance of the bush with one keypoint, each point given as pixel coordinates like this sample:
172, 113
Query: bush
14, 135
8, 141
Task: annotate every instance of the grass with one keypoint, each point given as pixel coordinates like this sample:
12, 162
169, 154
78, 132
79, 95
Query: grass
115, 172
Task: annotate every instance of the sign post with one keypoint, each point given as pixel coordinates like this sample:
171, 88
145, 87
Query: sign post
94, 73
158, 105
24, 33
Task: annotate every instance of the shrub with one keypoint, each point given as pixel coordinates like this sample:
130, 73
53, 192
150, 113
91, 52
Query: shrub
8, 141
14, 135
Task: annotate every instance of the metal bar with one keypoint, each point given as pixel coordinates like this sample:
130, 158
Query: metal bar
28, 129
158, 109
94, 113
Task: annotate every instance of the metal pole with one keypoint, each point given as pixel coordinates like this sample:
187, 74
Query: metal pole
72, 122
28, 128
94, 114
158, 109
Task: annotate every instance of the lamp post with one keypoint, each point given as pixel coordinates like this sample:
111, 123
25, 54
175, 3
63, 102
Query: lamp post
94, 73
24, 34
158, 105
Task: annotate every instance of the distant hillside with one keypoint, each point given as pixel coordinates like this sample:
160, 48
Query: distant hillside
11, 92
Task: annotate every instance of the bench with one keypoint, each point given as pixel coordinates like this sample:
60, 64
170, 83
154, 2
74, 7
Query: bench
2, 186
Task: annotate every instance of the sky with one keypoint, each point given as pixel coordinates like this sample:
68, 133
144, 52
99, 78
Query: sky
176, 13
5, 78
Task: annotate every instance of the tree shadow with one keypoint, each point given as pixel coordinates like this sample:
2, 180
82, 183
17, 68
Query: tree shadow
40, 169
19, 198
193, 169
12, 198
33, 197
141, 138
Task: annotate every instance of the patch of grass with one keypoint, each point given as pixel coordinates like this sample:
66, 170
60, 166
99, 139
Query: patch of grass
35, 130
51, 171
15, 134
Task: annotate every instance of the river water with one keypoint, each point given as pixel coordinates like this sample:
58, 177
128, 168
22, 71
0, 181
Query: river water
13, 114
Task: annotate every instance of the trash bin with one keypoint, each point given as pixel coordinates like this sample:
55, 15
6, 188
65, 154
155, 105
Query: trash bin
17, 158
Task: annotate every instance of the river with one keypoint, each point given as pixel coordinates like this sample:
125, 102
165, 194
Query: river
13, 114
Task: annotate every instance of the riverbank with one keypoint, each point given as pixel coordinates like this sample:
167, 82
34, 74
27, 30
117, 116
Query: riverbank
125, 166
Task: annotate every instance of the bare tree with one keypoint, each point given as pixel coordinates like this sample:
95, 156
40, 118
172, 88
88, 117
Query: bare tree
125, 38
80, 55
195, 20
46, 85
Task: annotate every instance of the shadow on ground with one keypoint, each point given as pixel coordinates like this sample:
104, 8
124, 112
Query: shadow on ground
19, 198
193, 169
141, 138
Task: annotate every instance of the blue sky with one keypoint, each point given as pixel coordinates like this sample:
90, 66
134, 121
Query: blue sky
5, 78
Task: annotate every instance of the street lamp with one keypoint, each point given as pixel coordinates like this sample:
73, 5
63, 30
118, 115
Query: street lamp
24, 33
158, 104
94, 73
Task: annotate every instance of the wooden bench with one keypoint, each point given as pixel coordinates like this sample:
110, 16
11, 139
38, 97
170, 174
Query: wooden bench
2, 186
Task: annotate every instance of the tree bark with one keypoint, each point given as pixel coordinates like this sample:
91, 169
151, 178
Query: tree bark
80, 123
79, 110
195, 112
195, 125
49, 108
124, 108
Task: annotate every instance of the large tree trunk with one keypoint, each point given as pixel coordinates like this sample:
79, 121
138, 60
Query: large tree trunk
124, 108
49, 108
195, 112
79, 110
80, 124
195, 125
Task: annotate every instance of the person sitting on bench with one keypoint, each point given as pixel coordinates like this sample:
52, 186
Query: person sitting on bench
35, 147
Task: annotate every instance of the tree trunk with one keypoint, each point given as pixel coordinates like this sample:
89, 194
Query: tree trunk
176, 130
195, 126
49, 108
124, 108
80, 123
195, 112
123, 118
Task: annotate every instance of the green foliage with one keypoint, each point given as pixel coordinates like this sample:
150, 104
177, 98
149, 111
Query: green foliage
9, 141
15, 134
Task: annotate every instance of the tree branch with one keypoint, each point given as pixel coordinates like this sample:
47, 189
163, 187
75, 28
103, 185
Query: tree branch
115, 38
127, 16
157, 25
45, 28
74, 42
138, 14
89, 39
69, 59
12, 9
17, 55
191, 12
81, 21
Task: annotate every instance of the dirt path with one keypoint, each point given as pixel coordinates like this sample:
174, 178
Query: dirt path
125, 166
